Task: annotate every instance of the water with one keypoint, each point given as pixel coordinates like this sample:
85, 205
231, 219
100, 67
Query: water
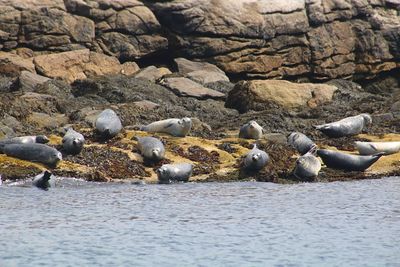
213, 224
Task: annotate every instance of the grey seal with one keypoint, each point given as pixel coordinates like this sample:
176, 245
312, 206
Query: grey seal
300, 142
72, 142
308, 165
346, 127
342, 161
255, 159
175, 127
371, 148
151, 148
34, 152
108, 124
251, 130
42, 180
29, 139
179, 172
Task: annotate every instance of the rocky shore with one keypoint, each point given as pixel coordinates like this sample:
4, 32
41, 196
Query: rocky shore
287, 66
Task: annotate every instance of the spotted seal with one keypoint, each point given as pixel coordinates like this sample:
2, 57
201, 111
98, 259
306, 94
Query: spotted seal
174, 127
108, 124
345, 127
300, 142
307, 166
255, 159
42, 180
179, 172
151, 148
29, 139
342, 161
251, 130
371, 148
34, 152
73, 142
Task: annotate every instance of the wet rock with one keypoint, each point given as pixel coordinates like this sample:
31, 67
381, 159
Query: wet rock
152, 73
28, 80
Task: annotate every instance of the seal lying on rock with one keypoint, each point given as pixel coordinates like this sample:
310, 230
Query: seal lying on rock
342, 161
151, 148
42, 180
300, 142
345, 127
307, 166
108, 124
255, 160
179, 172
34, 152
175, 127
371, 148
29, 139
251, 130
72, 142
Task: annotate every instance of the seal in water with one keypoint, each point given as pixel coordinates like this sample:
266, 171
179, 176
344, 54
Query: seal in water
342, 161
151, 148
307, 166
371, 148
251, 130
345, 127
34, 152
300, 142
108, 124
72, 142
256, 159
42, 180
29, 139
175, 127
179, 172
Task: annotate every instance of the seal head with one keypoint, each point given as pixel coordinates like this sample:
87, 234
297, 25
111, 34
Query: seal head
73, 142
255, 160
307, 166
151, 148
251, 130
108, 124
300, 142
179, 172
42, 180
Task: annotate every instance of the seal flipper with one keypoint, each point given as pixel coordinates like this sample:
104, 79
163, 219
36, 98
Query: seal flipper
168, 126
373, 147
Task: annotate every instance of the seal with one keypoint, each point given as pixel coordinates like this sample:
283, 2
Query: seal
151, 148
251, 130
371, 148
72, 142
42, 180
29, 139
174, 127
108, 124
179, 172
307, 166
255, 159
346, 127
300, 142
34, 152
342, 161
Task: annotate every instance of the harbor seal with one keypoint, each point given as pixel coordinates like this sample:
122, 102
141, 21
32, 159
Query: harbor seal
42, 180
179, 172
371, 148
307, 166
108, 124
29, 139
151, 148
34, 152
251, 130
175, 127
255, 159
345, 127
72, 142
300, 142
342, 161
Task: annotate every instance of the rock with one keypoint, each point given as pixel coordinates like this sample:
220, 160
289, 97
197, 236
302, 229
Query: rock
129, 68
146, 105
12, 64
46, 121
185, 87
258, 94
204, 77
6, 132
152, 73
28, 80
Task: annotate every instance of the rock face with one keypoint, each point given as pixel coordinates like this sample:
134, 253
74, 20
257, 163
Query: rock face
259, 94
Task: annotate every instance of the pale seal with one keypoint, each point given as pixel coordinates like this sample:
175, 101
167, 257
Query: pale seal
342, 161
29, 139
34, 152
175, 127
251, 130
255, 159
42, 180
108, 124
179, 172
307, 166
371, 148
151, 148
300, 142
72, 142
346, 127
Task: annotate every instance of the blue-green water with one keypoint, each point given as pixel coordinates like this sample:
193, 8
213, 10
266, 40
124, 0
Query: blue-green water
213, 224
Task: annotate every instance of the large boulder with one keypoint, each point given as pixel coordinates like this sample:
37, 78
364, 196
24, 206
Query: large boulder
201, 72
12, 64
261, 94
